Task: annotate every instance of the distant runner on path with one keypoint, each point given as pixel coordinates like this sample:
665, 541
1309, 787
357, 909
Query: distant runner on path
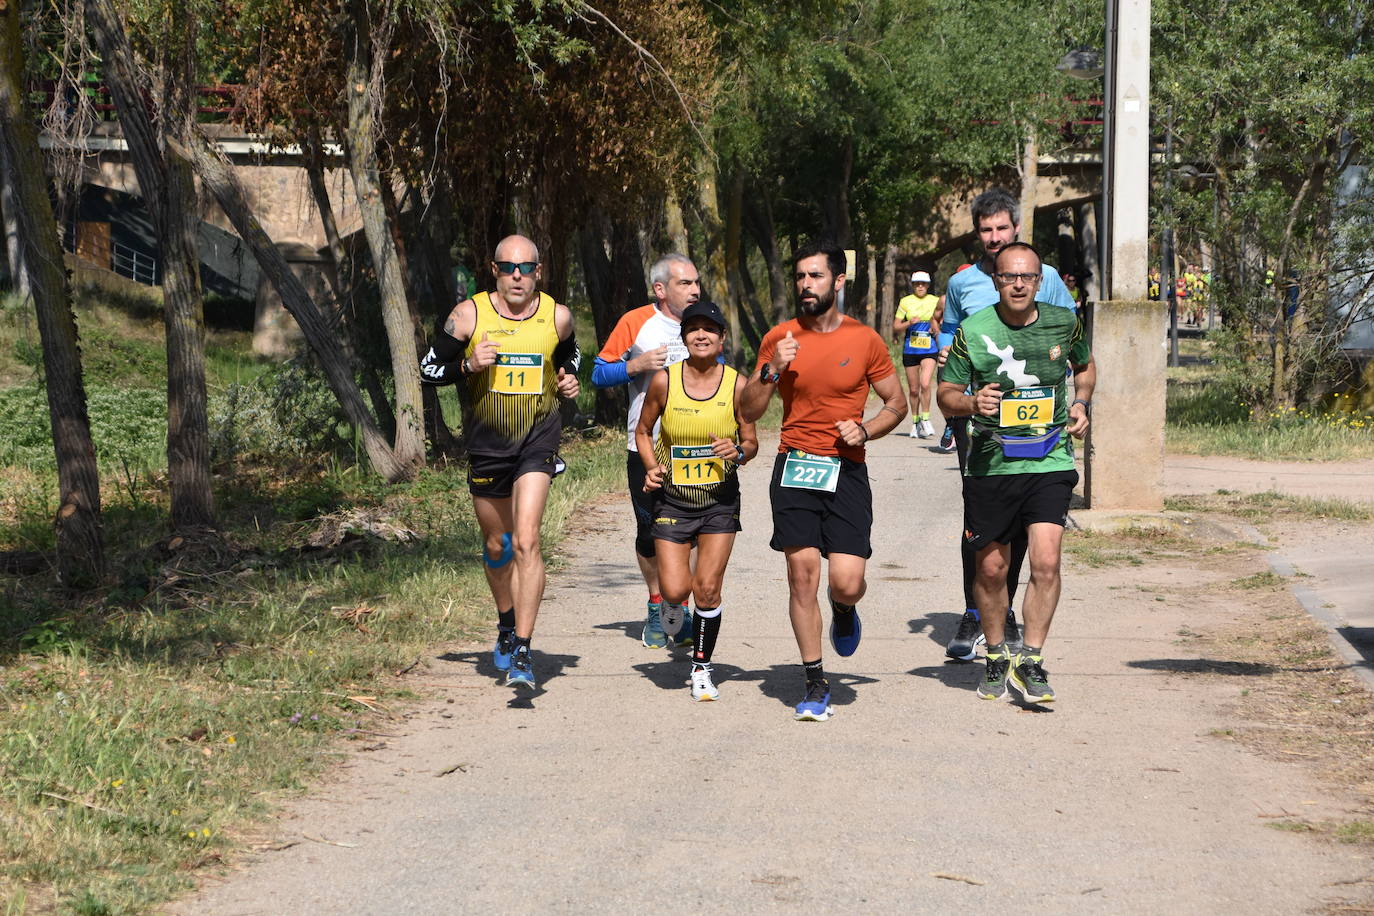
515, 348
918, 321
997, 220
1020, 472
823, 363
645, 340
691, 471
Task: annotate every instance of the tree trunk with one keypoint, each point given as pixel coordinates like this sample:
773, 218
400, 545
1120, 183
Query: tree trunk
169, 192
759, 212
715, 278
839, 224
80, 540
339, 316
888, 306
433, 230
628, 289
596, 271
755, 321
409, 448
1030, 179
871, 299
14, 258
677, 226
734, 295
1085, 227
218, 176
314, 171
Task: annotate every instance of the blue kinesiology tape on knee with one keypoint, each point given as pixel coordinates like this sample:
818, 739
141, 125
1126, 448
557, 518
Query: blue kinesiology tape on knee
507, 551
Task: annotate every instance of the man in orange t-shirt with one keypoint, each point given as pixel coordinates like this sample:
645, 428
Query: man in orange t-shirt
823, 363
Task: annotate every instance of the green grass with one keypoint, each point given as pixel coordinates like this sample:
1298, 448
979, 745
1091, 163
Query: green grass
1359, 831
146, 725
1266, 579
145, 728
1268, 505
1204, 417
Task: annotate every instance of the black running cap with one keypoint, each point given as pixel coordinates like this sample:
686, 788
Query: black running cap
704, 308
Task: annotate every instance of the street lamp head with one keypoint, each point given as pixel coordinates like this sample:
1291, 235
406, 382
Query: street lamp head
1081, 64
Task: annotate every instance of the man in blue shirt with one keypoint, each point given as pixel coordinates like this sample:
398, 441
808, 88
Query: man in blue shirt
997, 220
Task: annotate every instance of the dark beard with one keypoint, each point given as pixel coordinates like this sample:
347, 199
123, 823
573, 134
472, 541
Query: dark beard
818, 306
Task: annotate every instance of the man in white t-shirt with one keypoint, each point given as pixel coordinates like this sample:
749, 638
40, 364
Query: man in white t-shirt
644, 341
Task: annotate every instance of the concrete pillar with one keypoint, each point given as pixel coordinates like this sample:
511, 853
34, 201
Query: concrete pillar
1124, 466
1127, 170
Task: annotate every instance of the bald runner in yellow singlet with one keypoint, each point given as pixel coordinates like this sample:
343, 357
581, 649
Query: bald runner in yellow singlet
515, 349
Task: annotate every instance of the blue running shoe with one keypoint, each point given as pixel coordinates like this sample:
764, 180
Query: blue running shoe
688, 634
653, 636
505, 643
815, 706
845, 629
521, 673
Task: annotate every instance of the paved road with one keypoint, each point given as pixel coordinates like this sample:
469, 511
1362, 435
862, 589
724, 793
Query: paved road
610, 791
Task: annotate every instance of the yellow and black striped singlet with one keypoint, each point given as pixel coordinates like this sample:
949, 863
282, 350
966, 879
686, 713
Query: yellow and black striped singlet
518, 394
694, 478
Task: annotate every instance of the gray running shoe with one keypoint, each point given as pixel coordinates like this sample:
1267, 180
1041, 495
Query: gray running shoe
993, 686
1028, 677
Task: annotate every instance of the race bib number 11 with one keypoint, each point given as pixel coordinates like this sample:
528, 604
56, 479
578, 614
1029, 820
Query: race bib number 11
518, 373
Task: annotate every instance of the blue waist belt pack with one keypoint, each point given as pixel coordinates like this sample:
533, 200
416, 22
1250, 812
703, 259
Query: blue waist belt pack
1029, 446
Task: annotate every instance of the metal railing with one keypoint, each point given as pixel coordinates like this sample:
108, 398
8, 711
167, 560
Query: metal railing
134, 264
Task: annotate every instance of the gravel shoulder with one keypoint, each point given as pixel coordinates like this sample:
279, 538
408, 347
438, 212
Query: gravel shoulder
610, 791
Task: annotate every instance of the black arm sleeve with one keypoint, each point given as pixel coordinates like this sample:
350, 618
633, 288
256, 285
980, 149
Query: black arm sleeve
442, 365
567, 356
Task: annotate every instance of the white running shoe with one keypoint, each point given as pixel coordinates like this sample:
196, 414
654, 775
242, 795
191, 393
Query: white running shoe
703, 689
916, 430
927, 431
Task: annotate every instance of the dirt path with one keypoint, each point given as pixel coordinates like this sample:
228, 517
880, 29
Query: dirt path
610, 791
1192, 475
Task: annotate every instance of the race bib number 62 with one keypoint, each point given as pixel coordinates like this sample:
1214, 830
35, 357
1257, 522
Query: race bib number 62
1027, 407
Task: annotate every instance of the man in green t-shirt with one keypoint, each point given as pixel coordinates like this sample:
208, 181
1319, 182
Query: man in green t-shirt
1020, 467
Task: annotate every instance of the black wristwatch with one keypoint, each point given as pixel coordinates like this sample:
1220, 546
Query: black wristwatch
766, 376
1086, 406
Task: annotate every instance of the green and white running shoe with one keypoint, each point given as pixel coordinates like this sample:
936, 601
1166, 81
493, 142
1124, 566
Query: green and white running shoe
1028, 677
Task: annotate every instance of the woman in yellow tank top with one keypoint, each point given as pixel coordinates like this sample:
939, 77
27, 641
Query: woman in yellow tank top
691, 468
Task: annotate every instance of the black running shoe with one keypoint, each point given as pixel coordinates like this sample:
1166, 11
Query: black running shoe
1013, 632
964, 645
947, 439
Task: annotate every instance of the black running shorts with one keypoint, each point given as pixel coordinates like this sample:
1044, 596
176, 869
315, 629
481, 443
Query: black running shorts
997, 507
493, 476
838, 522
914, 359
681, 525
643, 504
